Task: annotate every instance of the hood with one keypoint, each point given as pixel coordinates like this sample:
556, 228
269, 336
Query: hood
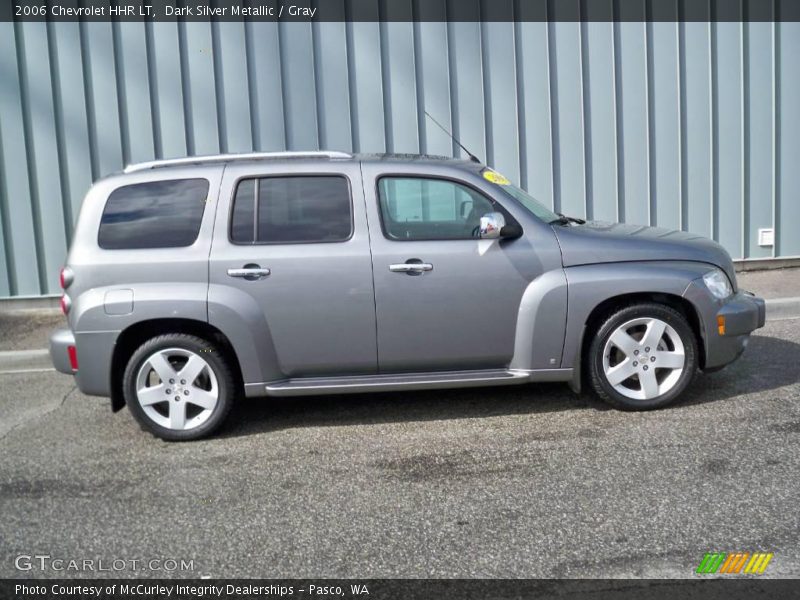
599, 242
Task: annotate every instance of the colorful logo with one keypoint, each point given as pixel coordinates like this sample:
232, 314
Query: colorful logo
734, 562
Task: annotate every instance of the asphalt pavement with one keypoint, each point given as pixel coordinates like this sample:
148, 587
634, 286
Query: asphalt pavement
528, 481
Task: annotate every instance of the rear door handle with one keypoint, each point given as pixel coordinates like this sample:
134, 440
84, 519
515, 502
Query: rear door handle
411, 268
249, 272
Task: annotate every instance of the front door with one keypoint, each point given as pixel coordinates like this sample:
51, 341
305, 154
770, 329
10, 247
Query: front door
297, 244
445, 300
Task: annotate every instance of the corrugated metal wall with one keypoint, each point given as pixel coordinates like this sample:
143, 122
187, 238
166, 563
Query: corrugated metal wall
683, 125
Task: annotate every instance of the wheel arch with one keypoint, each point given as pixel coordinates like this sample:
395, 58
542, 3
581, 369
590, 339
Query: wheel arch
594, 290
615, 303
138, 333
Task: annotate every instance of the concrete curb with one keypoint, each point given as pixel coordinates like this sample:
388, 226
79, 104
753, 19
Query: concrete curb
783, 308
20, 361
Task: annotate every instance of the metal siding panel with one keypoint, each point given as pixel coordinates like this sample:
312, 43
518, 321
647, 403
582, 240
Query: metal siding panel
399, 87
300, 108
632, 115
760, 152
42, 151
169, 117
601, 121
76, 158
468, 108
568, 118
502, 128
135, 91
102, 80
16, 192
435, 69
697, 136
330, 62
324, 84
665, 142
534, 78
728, 100
200, 89
266, 87
235, 108
367, 93
5, 281
788, 210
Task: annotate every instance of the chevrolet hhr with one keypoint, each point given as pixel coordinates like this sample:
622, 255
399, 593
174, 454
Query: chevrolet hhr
193, 282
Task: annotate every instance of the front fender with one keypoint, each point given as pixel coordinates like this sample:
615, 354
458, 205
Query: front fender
541, 321
591, 285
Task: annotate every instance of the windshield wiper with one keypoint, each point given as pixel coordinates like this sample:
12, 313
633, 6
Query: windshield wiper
565, 220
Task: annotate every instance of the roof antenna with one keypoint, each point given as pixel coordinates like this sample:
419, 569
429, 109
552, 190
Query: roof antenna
472, 157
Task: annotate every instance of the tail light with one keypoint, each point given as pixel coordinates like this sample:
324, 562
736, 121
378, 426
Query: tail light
66, 304
65, 277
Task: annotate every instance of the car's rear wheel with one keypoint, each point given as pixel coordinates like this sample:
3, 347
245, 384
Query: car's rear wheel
178, 387
643, 356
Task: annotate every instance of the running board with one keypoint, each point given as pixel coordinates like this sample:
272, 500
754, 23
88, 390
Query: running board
410, 381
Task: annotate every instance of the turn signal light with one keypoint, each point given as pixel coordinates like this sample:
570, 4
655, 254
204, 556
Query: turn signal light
721, 324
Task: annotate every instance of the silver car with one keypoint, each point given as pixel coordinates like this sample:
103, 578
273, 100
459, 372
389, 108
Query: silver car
191, 282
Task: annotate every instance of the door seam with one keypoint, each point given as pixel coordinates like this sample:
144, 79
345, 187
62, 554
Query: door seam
372, 264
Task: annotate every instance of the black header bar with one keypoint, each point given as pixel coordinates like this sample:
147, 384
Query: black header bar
400, 10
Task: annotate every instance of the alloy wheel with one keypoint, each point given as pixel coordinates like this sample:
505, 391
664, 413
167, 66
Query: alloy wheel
644, 358
177, 389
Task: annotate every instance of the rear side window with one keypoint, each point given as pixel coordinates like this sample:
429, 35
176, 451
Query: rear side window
156, 214
291, 210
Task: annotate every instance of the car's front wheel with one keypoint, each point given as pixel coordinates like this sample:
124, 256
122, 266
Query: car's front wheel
643, 356
178, 386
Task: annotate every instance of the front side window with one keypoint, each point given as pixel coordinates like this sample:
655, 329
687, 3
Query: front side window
416, 208
155, 214
296, 209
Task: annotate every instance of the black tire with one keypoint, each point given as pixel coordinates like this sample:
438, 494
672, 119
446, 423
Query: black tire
597, 377
226, 386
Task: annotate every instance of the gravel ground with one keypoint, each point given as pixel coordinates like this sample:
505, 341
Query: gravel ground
525, 481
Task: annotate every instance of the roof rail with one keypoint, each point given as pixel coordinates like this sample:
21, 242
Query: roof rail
217, 158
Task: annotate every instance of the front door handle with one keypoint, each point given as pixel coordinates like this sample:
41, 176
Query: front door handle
249, 272
412, 266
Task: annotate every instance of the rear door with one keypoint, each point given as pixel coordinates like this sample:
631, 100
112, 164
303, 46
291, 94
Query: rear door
295, 239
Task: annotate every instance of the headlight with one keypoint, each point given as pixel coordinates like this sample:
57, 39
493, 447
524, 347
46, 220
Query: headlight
717, 283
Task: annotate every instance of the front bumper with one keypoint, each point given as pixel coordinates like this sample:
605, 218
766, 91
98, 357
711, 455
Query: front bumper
743, 313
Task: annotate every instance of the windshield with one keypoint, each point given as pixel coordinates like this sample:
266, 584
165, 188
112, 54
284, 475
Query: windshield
521, 196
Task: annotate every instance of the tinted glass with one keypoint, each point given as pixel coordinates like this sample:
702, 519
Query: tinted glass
157, 214
244, 212
293, 210
430, 209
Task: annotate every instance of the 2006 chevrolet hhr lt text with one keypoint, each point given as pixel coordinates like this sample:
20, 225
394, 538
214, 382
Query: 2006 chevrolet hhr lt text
191, 282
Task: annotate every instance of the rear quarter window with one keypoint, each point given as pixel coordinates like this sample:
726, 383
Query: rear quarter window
155, 214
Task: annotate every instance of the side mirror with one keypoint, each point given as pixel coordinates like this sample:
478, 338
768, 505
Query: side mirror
493, 226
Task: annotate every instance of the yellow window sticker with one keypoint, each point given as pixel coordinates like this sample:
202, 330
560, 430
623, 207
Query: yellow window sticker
495, 177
